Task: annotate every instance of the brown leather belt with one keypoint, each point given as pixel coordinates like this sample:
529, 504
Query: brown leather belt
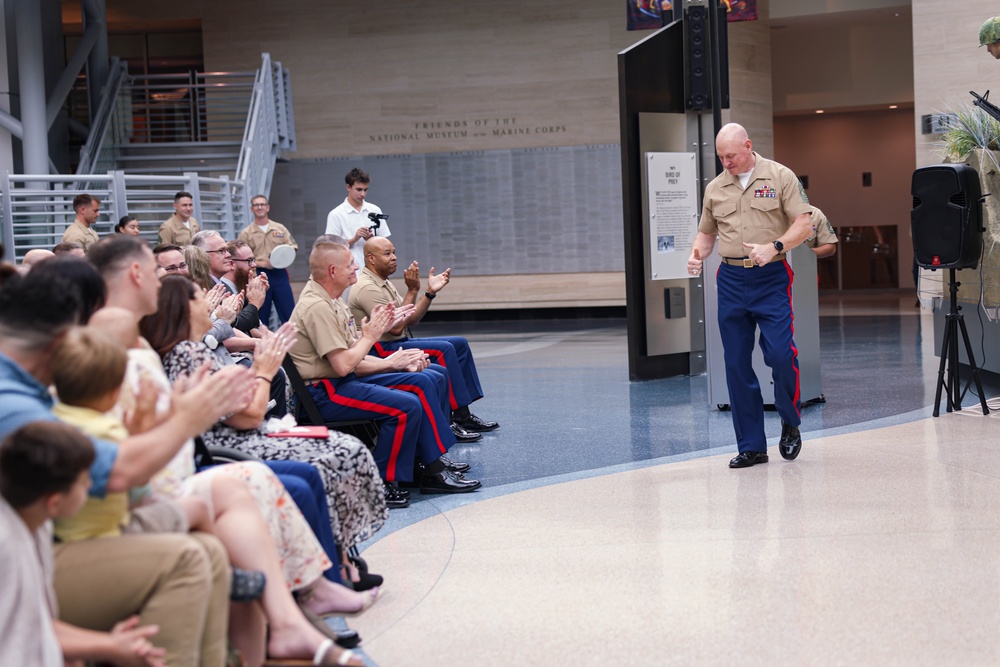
748, 263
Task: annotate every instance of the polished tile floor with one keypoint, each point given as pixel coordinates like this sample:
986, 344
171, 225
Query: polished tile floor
611, 531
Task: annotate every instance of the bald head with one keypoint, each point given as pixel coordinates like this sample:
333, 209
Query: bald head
36, 255
119, 322
734, 149
380, 256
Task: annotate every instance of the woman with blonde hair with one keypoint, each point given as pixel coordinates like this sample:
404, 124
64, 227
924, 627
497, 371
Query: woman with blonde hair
198, 266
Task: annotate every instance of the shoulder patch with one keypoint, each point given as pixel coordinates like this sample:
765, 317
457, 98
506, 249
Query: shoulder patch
802, 191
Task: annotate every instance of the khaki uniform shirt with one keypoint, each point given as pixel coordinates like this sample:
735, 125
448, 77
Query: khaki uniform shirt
174, 231
80, 233
822, 230
324, 325
760, 214
262, 243
370, 291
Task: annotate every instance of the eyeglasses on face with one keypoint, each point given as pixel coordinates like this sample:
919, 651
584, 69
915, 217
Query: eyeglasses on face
174, 268
249, 261
225, 250
258, 205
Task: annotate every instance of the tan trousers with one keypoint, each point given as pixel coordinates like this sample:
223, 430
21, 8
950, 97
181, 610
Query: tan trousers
179, 582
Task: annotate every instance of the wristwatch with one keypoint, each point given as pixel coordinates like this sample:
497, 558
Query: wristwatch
779, 246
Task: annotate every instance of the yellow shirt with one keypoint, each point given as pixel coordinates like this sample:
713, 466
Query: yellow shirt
372, 290
174, 231
99, 517
262, 243
80, 233
324, 325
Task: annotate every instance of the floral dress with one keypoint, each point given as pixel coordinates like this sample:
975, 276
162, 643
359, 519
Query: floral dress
300, 554
351, 478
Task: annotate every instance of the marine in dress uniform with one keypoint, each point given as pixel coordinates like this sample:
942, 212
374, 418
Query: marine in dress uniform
759, 211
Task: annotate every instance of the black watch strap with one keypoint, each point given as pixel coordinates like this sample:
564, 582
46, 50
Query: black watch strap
779, 246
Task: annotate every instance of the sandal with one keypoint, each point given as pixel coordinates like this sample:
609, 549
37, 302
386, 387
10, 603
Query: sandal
323, 658
345, 638
247, 585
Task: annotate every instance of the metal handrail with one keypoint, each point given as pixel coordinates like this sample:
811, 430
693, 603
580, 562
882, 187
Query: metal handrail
97, 141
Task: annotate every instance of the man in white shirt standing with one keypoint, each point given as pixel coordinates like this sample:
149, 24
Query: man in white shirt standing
351, 219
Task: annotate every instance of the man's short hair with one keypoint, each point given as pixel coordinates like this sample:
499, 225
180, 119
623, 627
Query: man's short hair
84, 200
181, 195
264, 197
84, 279
42, 458
37, 307
331, 238
113, 253
66, 247
198, 240
357, 176
167, 247
233, 246
88, 365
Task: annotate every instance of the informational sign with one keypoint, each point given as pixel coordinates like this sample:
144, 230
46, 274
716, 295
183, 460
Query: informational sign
672, 207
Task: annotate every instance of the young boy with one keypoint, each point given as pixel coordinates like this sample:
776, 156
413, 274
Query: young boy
44, 474
89, 368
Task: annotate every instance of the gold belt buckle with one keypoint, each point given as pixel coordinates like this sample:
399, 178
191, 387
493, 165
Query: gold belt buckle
748, 263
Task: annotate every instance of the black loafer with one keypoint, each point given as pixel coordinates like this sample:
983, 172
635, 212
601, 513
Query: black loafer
455, 466
446, 482
747, 459
790, 443
477, 425
396, 499
461, 435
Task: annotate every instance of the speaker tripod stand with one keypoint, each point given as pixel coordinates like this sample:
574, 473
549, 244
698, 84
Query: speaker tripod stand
949, 355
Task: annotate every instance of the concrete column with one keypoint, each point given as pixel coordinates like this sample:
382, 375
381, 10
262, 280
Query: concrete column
31, 80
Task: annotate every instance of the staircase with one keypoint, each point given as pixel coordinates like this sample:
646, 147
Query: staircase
215, 135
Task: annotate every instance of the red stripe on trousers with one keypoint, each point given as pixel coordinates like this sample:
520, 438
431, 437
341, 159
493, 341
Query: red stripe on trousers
414, 389
397, 437
795, 351
438, 356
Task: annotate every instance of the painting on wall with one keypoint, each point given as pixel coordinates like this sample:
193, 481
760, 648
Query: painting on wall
647, 14
741, 10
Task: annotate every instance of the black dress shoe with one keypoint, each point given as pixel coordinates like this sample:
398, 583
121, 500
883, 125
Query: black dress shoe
446, 482
395, 498
455, 466
462, 435
747, 459
477, 425
790, 443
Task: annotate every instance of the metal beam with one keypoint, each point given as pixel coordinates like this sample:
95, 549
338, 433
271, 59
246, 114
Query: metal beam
11, 124
31, 80
99, 64
65, 83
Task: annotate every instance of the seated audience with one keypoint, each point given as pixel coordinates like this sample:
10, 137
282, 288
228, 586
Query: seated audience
43, 476
178, 582
346, 383
451, 352
220, 264
89, 371
124, 263
350, 476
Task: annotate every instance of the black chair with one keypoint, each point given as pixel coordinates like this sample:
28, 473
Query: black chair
307, 413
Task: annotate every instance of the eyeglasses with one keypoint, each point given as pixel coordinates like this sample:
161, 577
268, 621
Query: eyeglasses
225, 250
258, 205
249, 261
174, 268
